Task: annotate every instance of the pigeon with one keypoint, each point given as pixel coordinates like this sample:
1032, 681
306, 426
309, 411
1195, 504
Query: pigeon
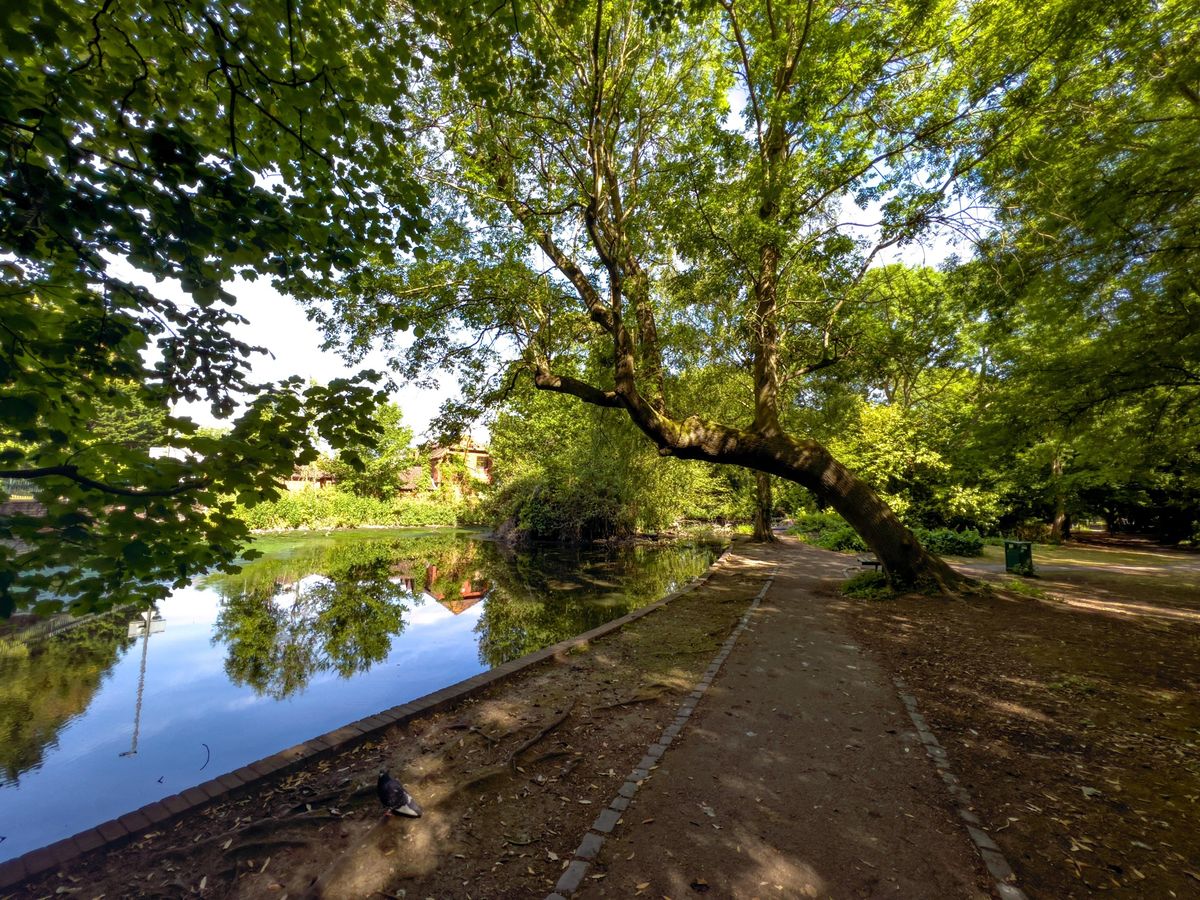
395, 798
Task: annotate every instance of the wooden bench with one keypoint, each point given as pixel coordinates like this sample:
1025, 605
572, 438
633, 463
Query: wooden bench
869, 561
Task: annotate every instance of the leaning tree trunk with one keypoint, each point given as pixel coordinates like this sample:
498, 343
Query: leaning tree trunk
763, 507
905, 562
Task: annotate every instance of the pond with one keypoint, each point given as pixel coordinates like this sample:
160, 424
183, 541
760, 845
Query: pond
319, 631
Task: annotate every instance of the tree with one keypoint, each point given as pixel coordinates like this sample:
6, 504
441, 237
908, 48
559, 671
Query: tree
378, 469
579, 474
622, 209
189, 143
1091, 280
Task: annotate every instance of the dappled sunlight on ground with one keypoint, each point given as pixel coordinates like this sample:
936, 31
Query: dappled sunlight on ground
1069, 705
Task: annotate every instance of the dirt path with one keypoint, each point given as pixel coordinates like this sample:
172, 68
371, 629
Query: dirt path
799, 775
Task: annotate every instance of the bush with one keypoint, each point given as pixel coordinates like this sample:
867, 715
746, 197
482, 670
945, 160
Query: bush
331, 508
869, 586
816, 524
844, 538
945, 542
542, 510
829, 530
1033, 530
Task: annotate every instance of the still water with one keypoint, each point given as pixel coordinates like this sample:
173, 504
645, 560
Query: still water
320, 631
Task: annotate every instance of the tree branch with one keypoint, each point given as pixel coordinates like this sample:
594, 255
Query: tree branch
72, 472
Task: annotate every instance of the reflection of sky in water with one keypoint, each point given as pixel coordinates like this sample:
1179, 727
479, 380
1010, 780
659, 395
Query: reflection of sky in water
189, 701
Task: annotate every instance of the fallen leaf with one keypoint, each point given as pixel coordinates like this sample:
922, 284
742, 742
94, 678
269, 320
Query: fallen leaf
643, 885
204, 882
553, 856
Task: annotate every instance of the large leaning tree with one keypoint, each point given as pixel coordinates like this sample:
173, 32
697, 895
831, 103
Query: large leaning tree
706, 192
150, 153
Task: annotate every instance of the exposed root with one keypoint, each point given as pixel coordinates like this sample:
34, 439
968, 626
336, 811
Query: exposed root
465, 726
542, 734
644, 697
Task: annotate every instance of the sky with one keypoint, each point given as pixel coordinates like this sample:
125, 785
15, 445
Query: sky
279, 324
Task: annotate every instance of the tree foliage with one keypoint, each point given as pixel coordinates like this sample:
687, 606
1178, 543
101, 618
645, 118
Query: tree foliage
150, 145
625, 214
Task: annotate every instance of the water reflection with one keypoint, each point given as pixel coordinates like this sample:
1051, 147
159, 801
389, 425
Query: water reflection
124, 711
335, 608
46, 684
545, 596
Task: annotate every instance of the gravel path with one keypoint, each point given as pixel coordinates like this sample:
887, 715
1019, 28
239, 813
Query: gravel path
799, 775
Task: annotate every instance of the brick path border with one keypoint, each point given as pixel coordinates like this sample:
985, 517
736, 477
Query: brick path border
577, 868
123, 829
993, 858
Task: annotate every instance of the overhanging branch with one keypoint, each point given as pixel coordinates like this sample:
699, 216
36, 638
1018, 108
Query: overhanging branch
72, 472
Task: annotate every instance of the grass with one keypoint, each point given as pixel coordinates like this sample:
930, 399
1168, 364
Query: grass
1024, 588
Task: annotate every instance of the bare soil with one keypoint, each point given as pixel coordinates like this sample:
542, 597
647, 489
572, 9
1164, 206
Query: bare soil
509, 782
1070, 709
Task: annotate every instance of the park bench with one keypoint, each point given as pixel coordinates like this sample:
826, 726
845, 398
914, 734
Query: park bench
869, 561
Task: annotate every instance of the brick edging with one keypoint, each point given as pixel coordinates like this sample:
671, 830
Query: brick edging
123, 829
585, 854
993, 858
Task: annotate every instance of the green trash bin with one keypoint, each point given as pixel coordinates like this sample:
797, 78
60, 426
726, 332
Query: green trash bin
1018, 557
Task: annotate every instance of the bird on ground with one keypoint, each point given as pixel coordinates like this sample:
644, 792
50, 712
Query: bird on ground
395, 798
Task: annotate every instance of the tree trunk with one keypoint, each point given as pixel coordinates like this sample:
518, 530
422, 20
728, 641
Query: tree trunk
1060, 528
763, 507
806, 462
905, 562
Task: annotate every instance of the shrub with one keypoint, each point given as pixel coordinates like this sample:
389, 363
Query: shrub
421, 512
817, 524
546, 511
869, 586
945, 542
843, 538
332, 508
1033, 530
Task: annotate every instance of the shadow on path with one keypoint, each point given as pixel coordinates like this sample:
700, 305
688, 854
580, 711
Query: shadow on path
800, 774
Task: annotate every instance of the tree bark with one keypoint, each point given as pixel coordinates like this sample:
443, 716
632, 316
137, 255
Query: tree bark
1060, 528
763, 507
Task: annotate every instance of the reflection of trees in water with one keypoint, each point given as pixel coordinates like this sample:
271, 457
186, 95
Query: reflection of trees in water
333, 607
545, 597
44, 686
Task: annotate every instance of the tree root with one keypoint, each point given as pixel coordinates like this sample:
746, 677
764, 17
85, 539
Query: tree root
260, 826
543, 733
473, 729
268, 844
646, 697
